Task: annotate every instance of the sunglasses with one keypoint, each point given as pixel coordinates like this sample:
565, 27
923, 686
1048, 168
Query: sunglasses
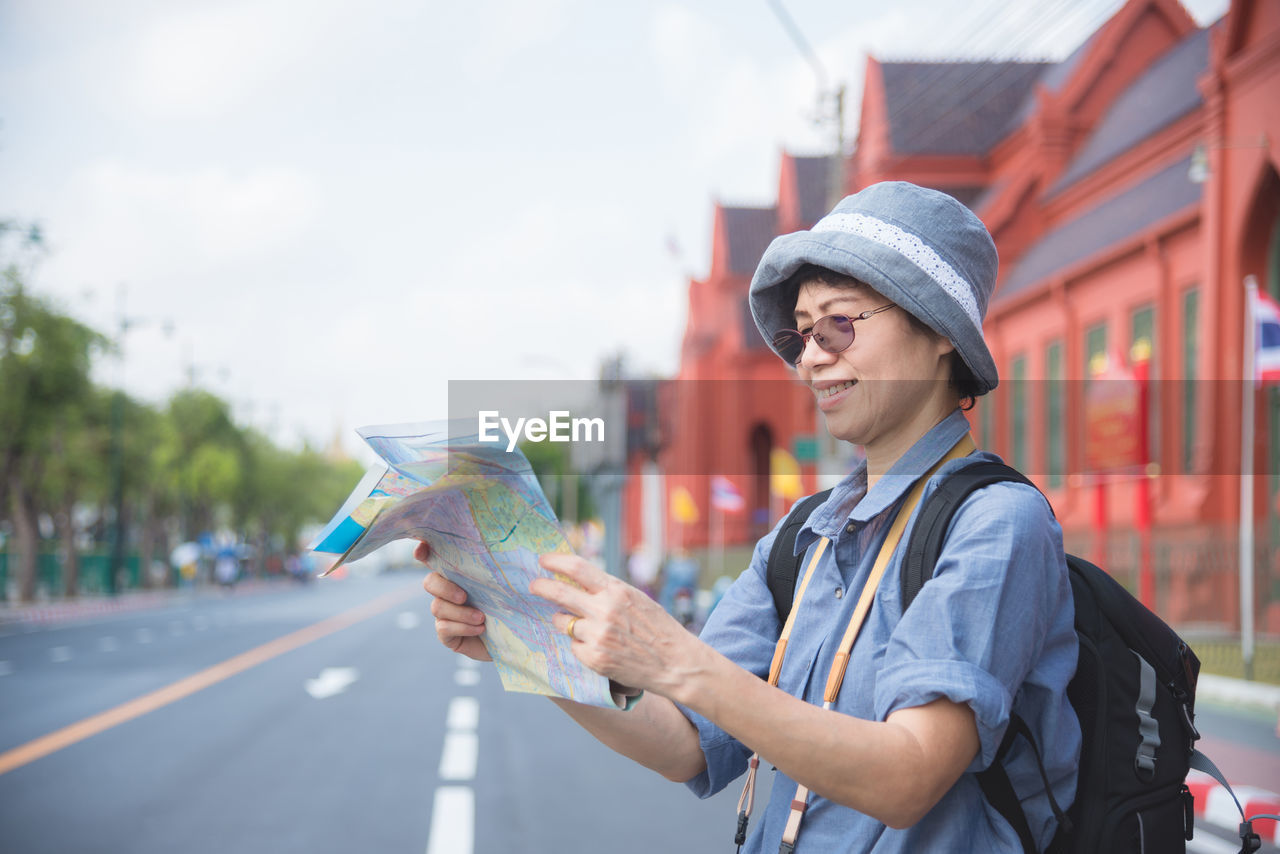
833, 333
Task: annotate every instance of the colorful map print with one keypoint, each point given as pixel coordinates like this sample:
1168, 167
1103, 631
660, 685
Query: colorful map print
486, 518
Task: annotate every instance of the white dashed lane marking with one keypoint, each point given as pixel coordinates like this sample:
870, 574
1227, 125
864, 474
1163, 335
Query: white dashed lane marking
461, 744
467, 674
60, 653
408, 620
142, 635
458, 762
453, 812
453, 817
464, 713
108, 644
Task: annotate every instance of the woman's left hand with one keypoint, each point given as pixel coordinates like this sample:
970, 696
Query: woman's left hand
619, 632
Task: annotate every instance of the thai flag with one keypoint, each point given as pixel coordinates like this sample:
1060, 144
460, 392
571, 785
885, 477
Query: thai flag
1266, 336
725, 496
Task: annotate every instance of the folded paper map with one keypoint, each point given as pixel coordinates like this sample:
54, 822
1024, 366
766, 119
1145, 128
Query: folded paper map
486, 518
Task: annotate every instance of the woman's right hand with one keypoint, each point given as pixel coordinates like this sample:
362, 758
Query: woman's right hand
458, 626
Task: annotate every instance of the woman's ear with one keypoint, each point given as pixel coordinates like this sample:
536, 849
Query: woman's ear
943, 345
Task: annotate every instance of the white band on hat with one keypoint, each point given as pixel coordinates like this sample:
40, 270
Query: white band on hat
913, 249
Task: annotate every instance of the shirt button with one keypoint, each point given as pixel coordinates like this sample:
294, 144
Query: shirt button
851, 527
839, 592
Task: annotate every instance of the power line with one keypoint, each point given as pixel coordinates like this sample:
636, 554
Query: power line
993, 90
1035, 32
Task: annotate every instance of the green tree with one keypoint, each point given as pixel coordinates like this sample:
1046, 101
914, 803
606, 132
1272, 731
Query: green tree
566, 490
204, 450
150, 487
75, 473
284, 490
45, 359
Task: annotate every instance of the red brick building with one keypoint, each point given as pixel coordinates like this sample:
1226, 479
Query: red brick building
1129, 189
732, 401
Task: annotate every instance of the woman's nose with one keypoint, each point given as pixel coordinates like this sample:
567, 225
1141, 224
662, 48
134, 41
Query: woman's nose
812, 354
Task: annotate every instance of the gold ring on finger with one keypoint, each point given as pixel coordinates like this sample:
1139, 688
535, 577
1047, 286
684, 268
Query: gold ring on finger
568, 630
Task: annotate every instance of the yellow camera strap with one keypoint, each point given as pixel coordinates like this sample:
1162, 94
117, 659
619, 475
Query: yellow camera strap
835, 678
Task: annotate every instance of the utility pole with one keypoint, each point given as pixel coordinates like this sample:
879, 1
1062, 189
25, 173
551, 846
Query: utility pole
116, 561
833, 460
830, 104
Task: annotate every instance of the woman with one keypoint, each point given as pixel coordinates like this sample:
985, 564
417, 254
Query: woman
879, 307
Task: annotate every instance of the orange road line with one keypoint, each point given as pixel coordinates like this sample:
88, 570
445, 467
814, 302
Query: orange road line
79, 731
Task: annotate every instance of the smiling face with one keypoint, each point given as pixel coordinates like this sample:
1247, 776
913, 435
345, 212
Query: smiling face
890, 386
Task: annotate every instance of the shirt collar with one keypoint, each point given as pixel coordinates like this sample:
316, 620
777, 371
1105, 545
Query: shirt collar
850, 500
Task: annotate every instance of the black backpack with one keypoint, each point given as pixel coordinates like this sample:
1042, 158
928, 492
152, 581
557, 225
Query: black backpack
1133, 691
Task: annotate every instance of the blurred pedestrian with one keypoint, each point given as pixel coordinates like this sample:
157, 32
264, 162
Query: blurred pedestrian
226, 567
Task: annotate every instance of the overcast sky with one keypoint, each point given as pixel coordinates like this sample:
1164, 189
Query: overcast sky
336, 208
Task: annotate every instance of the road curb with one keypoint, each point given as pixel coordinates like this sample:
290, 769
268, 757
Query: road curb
80, 609
1224, 689
1214, 805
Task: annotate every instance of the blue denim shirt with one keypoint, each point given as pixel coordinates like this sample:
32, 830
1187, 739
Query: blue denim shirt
993, 629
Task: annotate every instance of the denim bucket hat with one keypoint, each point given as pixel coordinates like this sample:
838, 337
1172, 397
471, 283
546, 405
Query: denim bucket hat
918, 247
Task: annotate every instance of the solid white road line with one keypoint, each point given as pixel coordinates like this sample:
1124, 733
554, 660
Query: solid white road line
458, 762
453, 816
1207, 843
60, 653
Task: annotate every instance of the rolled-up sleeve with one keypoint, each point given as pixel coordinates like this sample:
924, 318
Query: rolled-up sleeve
744, 628
976, 630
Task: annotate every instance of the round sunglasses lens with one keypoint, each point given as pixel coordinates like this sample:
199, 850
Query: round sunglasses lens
789, 344
833, 333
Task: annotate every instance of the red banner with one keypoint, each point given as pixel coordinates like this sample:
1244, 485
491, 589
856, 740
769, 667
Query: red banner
1114, 421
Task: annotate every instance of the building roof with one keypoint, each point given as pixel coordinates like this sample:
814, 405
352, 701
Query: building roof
1164, 93
1056, 76
812, 180
748, 232
955, 107
992, 191
1108, 224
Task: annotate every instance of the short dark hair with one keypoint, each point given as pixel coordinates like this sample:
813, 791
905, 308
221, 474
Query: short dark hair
961, 380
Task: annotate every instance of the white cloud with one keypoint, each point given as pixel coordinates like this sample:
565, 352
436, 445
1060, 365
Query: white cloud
149, 220
676, 39
509, 28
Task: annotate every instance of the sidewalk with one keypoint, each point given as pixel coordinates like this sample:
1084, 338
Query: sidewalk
69, 610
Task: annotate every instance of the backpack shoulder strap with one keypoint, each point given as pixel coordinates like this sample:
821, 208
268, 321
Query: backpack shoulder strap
784, 564
923, 549
930, 531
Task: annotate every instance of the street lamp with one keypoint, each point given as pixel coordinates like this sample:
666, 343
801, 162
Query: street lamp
115, 562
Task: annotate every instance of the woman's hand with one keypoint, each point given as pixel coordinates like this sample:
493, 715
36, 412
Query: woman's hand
619, 632
458, 626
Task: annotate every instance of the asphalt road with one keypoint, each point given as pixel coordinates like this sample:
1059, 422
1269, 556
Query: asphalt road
326, 718
253, 762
